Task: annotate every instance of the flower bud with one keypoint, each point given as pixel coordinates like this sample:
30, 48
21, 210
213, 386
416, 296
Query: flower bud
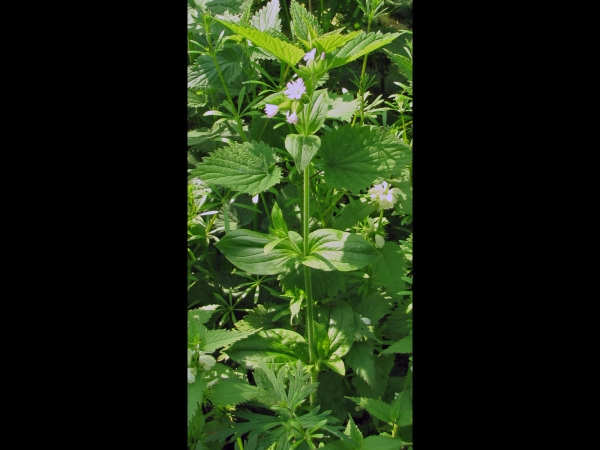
305, 99
285, 105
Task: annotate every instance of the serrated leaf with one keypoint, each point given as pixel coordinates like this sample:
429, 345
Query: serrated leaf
354, 158
196, 100
281, 49
203, 75
387, 271
341, 328
353, 213
383, 367
232, 392
360, 358
361, 45
381, 443
302, 149
333, 40
280, 345
267, 17
214, 339
336, 364
305, 25
404, 64
375, 407
353, 431
195, 395
343, 107
404, 345
338, 250
233, 7
248, 167
245, 249
375, 306
330, 395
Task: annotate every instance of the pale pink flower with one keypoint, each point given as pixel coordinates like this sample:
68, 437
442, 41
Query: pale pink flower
271, 110
310, 55
291, 118
323, 55
295, 89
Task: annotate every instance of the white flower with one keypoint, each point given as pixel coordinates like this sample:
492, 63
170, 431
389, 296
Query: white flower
384, 196
366, 321
206, 361
191, 375
255, 199
291, 118
310, 55
379, 241
295, 89
344, 91
271, 110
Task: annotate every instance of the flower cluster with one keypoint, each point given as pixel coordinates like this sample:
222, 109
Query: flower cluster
383, 196
204, 361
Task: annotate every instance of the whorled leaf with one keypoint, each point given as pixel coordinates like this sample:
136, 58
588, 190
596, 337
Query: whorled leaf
354, 157
248, 167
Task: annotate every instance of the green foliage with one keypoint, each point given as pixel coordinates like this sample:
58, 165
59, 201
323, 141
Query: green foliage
203, 75
338, 250
247, 167
302, 149
353, 158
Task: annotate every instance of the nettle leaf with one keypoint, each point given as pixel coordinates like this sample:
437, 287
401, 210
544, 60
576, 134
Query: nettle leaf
404, 64
214, 339
248, 167
302, 149
231, 392
375, 306
330, 395
389, 270
338, 250
281, 49
267, 17
341, 328
404, 345
343, 107
195, 395
352, 213
306, 26
360, 358
277, 345
353, 158
333, 40
203, 75
375, 407
245, 249
233, 7
383, 367
381, 443
196, 320
353, 431
361, 45
196, 99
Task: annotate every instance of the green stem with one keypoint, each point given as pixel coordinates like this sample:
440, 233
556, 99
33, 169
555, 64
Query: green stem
360, 92
308, 283
380, 221
266, 209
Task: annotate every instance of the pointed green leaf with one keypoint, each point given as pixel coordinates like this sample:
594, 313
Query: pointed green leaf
282, 50
354, 158
353, 213
280, 345
278, 220
231, 392
404, 345
302, 149
195, 395
404, 64
375, 407
267, 17
388, 271
343, 107
333, 40
341, 328
203, 75
360, 358
304, 24
353, 431
336, 364
338, 250
361, 45
320, 107
214, 339
249, 167
245, 249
